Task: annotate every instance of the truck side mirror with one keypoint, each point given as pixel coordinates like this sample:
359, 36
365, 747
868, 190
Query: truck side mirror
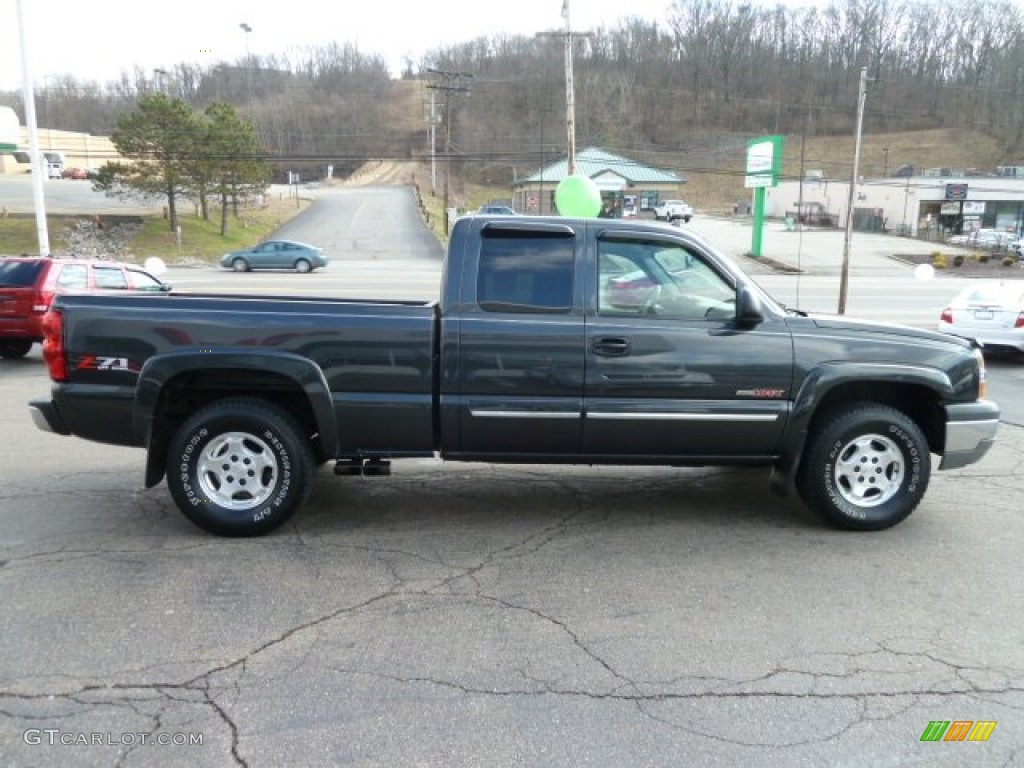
749, 311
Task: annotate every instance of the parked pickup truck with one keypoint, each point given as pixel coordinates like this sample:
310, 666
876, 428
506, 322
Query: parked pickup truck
673, 210
554, 341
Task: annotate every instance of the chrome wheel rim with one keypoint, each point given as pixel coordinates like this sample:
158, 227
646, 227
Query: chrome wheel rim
237, 471
869, 470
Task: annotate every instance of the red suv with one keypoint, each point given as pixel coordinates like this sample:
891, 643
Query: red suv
28, 285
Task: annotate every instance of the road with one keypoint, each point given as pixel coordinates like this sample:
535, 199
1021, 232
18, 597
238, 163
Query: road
475, 615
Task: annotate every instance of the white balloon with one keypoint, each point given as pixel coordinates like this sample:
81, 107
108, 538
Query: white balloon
924, 272
155, 266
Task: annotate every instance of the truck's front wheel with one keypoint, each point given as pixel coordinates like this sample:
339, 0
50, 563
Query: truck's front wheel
866, 468
239, 467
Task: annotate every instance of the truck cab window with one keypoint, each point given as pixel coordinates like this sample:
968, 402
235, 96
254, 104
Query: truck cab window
656, 279
525, 272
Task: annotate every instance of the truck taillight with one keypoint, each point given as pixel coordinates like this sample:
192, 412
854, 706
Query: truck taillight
53, 345
1020, 321
946, 316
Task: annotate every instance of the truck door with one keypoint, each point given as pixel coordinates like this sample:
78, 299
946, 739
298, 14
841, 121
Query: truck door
520, 345
669, 372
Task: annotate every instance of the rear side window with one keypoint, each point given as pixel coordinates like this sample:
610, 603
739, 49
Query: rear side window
526, 272
19, 274
109, 278
73, 277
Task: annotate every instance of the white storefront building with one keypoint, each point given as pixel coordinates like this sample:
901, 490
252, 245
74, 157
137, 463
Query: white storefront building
920, 206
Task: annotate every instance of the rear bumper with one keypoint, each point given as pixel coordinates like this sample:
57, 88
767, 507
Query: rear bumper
970, 432
47, 418
20, 328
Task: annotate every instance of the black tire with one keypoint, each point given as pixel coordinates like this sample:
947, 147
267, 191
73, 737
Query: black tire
866, 469
303, 266
15, 348
239, 467
240, 265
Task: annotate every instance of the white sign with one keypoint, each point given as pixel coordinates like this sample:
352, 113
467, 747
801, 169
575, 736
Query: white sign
760, 165
760, 157
974, 207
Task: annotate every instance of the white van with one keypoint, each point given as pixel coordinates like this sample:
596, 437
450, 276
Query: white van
51, 161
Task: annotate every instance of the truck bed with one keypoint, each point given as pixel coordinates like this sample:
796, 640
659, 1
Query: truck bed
376, 357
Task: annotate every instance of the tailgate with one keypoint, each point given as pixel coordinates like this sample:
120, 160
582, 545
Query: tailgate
15, 302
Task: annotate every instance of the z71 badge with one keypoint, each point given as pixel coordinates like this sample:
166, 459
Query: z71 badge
101, 363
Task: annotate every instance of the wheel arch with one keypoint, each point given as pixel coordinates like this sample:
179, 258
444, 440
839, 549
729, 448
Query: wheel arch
171, 387
917, 392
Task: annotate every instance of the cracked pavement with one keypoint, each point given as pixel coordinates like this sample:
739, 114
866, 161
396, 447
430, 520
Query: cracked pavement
470, 615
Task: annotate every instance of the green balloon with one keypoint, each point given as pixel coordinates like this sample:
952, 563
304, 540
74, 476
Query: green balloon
578, 197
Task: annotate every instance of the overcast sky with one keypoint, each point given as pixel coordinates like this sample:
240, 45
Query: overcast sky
97, 40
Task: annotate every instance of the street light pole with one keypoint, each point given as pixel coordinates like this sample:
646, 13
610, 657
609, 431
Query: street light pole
248, 65
844, 278
38, 167
160, 75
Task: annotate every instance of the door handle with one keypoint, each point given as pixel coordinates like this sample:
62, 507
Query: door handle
610, 347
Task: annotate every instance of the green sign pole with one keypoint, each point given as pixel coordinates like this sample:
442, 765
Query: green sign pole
764, 165
757, 234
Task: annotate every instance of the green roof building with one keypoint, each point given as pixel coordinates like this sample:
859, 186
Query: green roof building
625, 184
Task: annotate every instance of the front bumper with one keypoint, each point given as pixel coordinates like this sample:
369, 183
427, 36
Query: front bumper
970, 432
46, 416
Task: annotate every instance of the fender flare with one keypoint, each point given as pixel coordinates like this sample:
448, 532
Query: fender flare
159, 370
822, 380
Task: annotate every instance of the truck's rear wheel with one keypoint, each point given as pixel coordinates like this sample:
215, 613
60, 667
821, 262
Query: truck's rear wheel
239, 467
866, 469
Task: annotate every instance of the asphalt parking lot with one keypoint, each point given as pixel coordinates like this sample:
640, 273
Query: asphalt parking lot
470, 615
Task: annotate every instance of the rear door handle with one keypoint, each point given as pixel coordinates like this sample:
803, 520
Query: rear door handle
610, 347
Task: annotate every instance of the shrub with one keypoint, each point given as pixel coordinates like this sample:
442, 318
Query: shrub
983, 258
1009, 261
939, 260
958, 260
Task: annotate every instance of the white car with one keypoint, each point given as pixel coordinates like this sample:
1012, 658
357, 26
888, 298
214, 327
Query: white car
673, 210
990, 313
984, 238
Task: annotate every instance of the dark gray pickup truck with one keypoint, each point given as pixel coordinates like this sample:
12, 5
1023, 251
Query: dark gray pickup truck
554, 341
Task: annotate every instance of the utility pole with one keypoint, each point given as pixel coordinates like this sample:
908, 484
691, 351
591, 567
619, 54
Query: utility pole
570, 90
449, 83
433, 118
844, 278
570, 98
